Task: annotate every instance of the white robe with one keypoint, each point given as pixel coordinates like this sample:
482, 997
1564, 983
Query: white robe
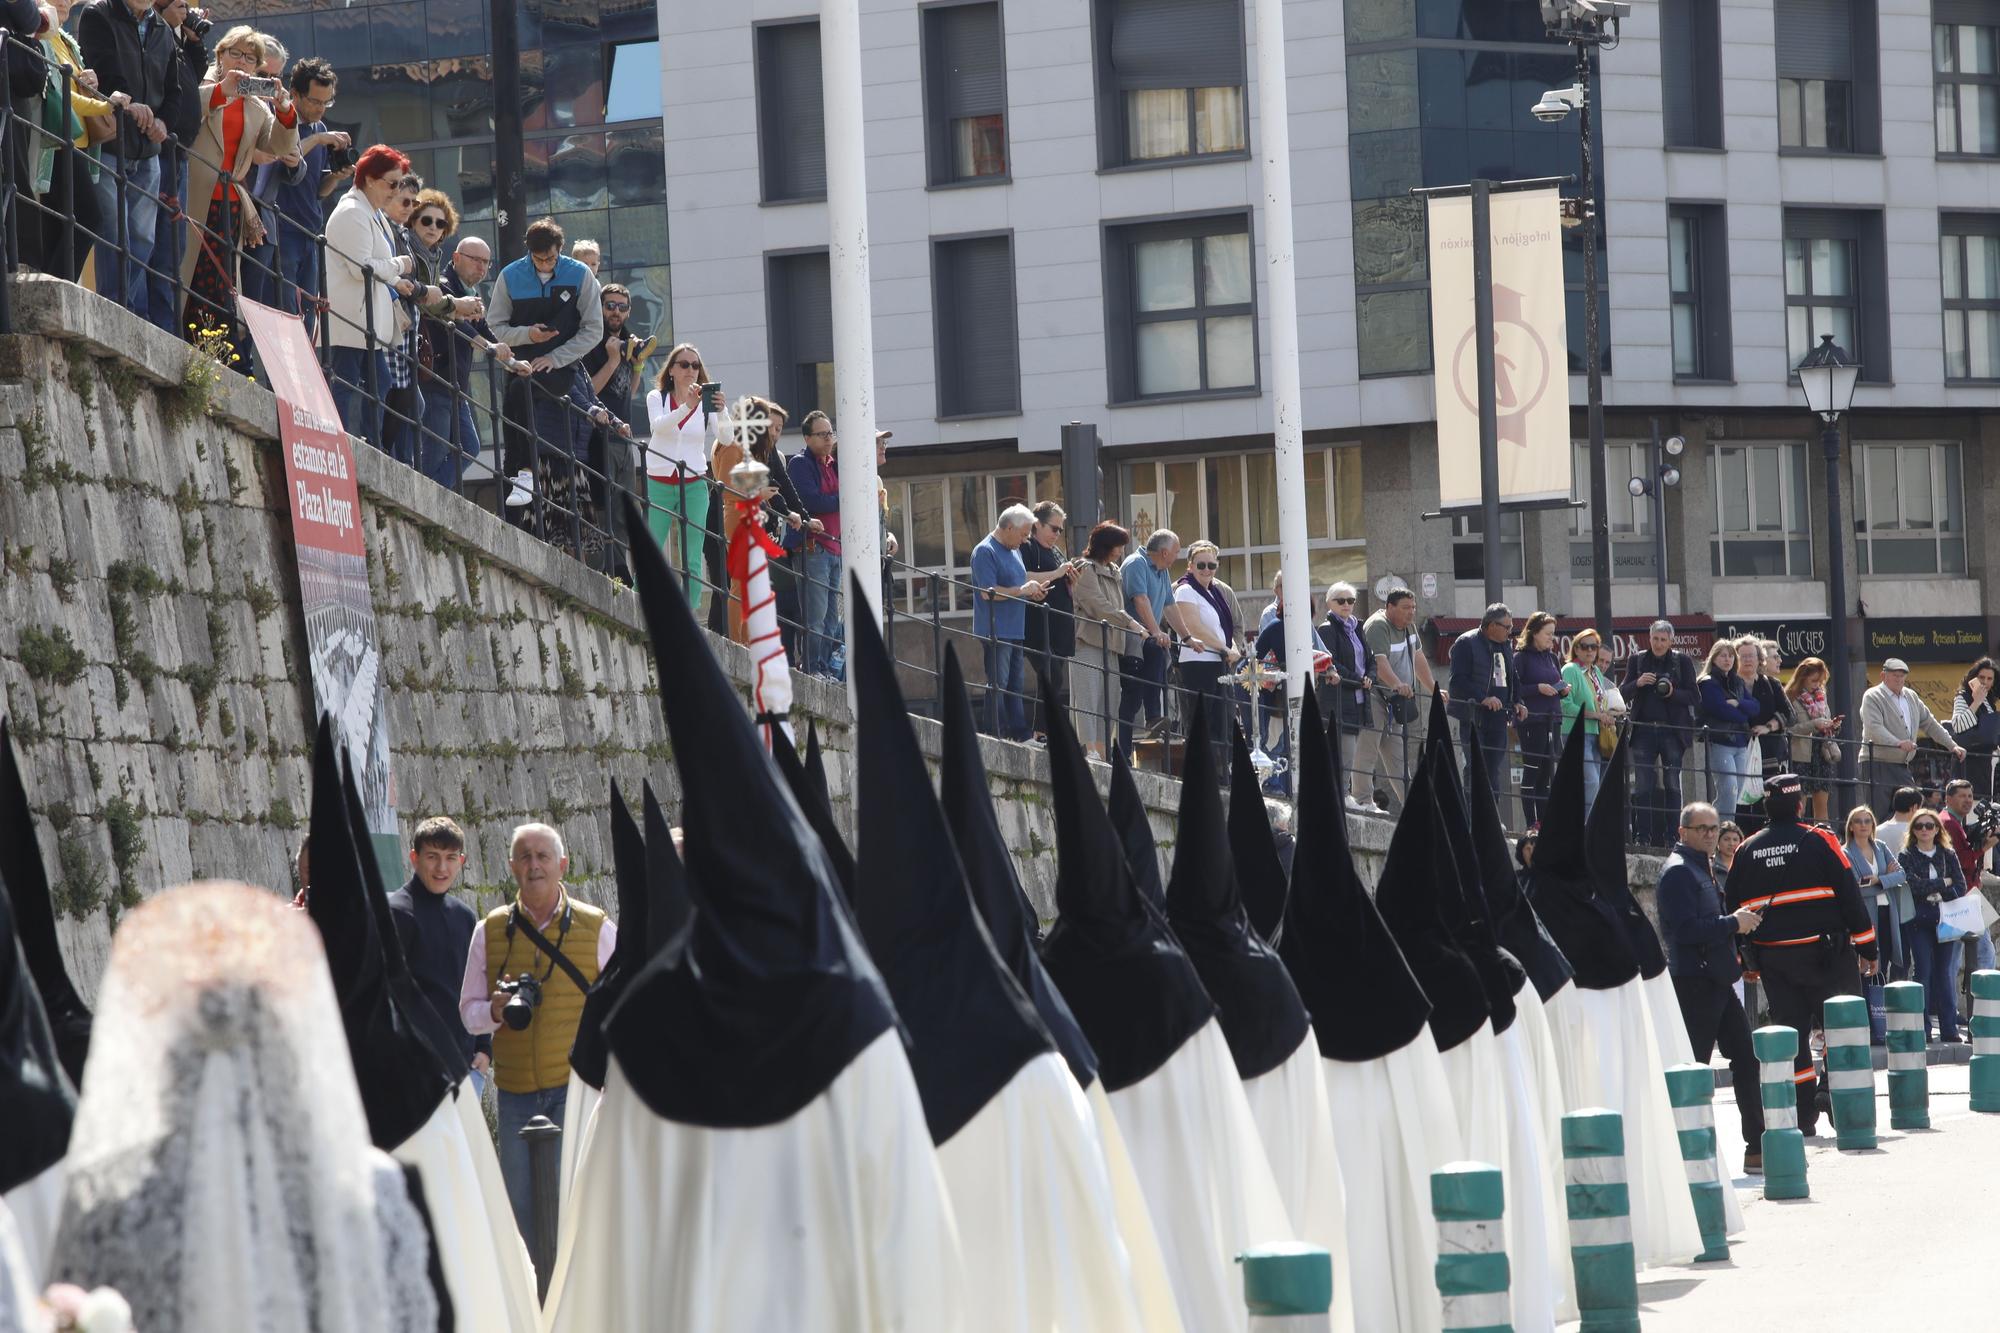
19, 1290
487, 1272
1397, 1126
1154, 1290
1611, 1058
833, 1220
1670, 1029
1535, 1050
1034, 1208
37, 1206
1296, 1122
1207, 1181
579, 1104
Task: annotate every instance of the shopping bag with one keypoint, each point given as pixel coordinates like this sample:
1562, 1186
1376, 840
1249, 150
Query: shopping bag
1959, 917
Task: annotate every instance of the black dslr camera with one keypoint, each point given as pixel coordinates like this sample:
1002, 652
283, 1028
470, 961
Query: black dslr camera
1982, 821
525, 996
340, 159
197, 22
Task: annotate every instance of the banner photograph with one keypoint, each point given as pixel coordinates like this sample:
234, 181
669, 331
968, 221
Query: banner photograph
1530, 348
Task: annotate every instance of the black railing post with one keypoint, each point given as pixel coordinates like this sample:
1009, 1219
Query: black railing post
72, 161
1104, 652
369, 379
544, 1140
993, 687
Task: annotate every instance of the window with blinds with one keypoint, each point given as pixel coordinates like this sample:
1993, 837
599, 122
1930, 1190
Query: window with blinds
978, 350
791, 124
1170, 80
1691, 73
798, 298
1827, 89
965, 93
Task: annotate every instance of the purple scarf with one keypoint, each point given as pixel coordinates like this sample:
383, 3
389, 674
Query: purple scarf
1217, 603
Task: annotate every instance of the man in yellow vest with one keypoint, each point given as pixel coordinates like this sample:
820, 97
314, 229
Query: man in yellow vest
526, 972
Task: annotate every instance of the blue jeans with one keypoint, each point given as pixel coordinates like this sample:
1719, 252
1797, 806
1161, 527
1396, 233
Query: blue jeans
1493, 748
516, 1110
1729, 767
259, 269
165, 263
1006, 668
360, 414
1976, 953
298, 273
1656, 797
402, 418
1593, 772
122, 280
448, 437
1934, 964
1143, 687
821, 597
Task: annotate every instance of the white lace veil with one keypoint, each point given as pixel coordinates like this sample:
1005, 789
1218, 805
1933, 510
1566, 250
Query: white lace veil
219, 1173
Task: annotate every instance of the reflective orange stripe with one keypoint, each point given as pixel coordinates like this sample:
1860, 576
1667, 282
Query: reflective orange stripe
1865, 937
1781, 944
1789, 896
1805, 1076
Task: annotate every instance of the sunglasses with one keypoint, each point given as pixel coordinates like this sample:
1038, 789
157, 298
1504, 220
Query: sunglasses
1703, 828
819, 435
1918, 828
430, 222
1343, 601
687, 365
619, 306
1053, 527
1207, 564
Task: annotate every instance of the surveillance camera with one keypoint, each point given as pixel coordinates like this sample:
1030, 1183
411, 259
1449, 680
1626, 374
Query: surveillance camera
1559, 13
1550, 109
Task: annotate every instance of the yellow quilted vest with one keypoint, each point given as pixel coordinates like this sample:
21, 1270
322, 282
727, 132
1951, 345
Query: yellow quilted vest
537, 1057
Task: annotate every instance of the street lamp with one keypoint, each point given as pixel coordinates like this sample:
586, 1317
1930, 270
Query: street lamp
1828, 379
1665, 472
1587, 25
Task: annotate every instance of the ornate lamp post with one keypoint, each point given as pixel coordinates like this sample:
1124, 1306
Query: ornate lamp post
1828, 378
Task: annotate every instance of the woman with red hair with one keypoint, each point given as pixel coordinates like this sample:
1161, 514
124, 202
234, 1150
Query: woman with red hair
364, 275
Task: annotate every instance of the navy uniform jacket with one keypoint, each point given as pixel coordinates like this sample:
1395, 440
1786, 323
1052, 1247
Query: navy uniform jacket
1797, 876
1701, 936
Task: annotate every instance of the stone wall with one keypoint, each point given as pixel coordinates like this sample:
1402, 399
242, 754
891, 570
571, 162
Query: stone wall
152, 649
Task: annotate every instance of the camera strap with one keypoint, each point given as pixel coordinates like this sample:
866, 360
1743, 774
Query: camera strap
541, 941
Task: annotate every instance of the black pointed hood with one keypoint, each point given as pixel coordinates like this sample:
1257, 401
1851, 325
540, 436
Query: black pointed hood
814, 765
1257, 1004
1340, 954
401, 1076
1604, 841
773, 995
1461, 899
587, 1055
1584, 926
37, 1103
1011, 920
27, 881
1135, 831
1111, 953
669, 898
814, 799
971, 1026
1519, 930
1416, 868
1260, 872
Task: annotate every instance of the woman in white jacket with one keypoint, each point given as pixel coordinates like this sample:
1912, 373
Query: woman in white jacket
363, 270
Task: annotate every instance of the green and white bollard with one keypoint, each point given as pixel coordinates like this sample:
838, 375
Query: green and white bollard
1986, 1040
1850, 1072
1691, 1089
1468, 1200
1784, 1146
1600, 1221
1909, 1072
1288, 1287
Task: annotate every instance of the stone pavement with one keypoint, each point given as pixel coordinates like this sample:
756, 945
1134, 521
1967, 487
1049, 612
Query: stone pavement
1892, 1238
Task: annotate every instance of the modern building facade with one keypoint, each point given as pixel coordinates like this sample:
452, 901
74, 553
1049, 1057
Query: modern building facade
1065, 226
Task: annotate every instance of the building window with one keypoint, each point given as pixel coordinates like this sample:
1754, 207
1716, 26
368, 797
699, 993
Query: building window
1180, 308
1969, 255
1698, 288
940, 520
800, 314
1691, 73
1634, 555
1760, 524
1834, 283
1968, 87
1909, 509
1827, 94
1232, 500
791, 125
1170, 80
965, 92
1468, 548
978, 354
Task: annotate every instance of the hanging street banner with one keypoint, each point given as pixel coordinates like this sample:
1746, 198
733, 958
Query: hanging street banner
1530, 348
342, 641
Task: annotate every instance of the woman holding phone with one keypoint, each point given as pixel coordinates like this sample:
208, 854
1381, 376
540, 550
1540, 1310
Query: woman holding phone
676, 463
1883, 883
1934, 878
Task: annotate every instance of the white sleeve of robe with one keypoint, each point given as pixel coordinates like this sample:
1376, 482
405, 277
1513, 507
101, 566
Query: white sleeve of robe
1295, 1121
1664, 1006
485, 1269
1157, 1306
36, 1206
834, 1220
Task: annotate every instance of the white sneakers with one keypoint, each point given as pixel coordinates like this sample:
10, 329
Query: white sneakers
1360, 807
524, 489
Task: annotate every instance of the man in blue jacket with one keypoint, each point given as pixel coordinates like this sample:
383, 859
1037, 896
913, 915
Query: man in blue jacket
1701, 958
1482, 690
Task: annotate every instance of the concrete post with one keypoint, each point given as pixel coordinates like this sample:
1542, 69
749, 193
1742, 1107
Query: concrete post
1288, 1287
1600, 1221
1909, 1074
1468, 1199
1850, 1072
1986, 1040
1691, 1089
1784, 1146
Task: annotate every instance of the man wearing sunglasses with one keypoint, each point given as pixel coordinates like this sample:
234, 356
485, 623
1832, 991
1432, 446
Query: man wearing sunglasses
609, 363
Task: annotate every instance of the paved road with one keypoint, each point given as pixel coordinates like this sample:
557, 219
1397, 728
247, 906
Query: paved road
1900, 1237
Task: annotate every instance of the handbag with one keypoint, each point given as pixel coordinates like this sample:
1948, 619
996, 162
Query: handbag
1958, 917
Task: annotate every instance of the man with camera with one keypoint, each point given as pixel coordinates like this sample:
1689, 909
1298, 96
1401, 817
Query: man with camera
1659, 687
526, 972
